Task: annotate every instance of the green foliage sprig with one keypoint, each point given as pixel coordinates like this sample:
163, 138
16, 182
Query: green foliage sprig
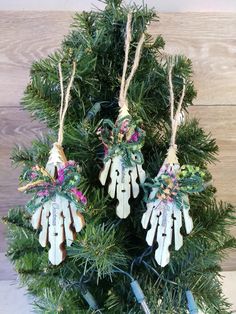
123, 138
174, 183
45, 187
96, 43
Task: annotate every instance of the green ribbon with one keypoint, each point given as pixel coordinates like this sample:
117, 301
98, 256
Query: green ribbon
188, 180
130, 151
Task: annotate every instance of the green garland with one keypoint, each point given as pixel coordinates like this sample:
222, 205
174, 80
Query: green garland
173, 186
123, 138
45, 187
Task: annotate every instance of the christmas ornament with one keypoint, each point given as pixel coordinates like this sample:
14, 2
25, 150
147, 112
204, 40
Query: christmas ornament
57, 203
123, 141
168, 203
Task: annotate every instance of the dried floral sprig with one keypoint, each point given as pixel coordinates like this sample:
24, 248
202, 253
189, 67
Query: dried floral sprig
44, 186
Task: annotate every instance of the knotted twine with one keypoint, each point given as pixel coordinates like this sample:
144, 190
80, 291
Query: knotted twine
125, 83
63, 108
57, 146
171, 156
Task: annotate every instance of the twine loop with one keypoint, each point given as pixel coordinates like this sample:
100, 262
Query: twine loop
64, 101
125, 83
174, 116
171, 155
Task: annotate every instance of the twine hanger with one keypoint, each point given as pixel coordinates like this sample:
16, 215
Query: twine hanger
123, 103
57, 150
64, 102
57, 154
171, 156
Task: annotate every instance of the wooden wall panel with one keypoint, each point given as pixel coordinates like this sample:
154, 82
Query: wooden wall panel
208, 39
161, 5
15, 127
220, 121
26, 37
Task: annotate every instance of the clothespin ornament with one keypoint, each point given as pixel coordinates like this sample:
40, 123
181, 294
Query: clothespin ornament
123, 158
168, 202
57, 204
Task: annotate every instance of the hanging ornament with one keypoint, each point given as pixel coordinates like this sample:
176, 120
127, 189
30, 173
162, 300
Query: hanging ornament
57, 203
123, 142
168, 202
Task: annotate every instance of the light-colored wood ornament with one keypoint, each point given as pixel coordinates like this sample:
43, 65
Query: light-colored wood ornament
165, 218
123, 182
123, 178
57, 159
58, 218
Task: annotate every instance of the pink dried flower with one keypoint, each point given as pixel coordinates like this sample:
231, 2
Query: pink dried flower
83, 199
169, 199
105, 150
33, 175
134, 137
70, 163
61, 176
79, 195
43, 193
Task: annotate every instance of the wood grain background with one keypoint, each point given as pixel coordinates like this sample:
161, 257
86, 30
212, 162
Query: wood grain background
209, 39
160, 5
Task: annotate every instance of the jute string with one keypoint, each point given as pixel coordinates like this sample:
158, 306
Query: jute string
171, 155
64, 101
58, 145
174, 117
123, 103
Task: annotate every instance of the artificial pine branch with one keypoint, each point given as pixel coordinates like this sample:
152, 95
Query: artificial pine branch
96, 43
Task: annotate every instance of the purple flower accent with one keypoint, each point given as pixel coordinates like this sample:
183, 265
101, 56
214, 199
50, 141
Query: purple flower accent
79, 195
33, 175
134, 137
70, 163
43, 193
105, 150
83, 199
61, 175
169, 199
